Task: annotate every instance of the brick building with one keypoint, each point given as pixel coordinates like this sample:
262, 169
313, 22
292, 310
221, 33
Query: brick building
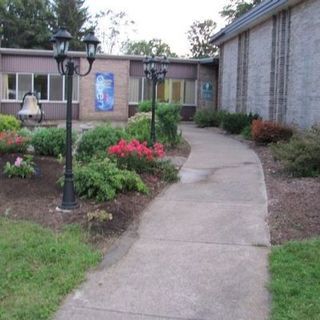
270, 62
189, 82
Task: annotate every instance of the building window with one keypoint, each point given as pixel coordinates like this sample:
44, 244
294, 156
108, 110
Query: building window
24, 85
135, 90
48, 87
56, 88
190, 92
40, 85
9, 86
171, 90
75, 88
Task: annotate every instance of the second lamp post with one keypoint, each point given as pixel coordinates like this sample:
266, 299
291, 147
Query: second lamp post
60, 42
155, 69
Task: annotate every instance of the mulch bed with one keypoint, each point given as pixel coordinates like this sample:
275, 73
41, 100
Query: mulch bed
36, 200
293, 203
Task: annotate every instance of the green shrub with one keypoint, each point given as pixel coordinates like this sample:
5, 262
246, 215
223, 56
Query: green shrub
234, 123
246, 133
8, 122
139, 127
209, 118
102, 180
12, 142
268, 132
50, 141
301, 155
168, 116
95, 142
145, 106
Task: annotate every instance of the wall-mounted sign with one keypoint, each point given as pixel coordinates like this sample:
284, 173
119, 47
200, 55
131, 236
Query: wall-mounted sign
207, 91
104, 91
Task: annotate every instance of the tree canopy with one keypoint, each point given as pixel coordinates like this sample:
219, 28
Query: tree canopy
148, 48
30, 23
73, 15
236, 8
26, 23
199, 35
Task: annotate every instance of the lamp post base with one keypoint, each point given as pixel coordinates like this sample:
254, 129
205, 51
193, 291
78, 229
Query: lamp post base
68, 206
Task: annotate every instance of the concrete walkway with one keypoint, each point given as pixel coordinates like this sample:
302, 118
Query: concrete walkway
200, 251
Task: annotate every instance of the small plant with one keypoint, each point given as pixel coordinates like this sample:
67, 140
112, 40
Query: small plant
22, 168
12, 142
168, 116
209, 118
98, 217
246, 133
270, 132
234, 123
95, 142
301, 155
166, 170
102, 180
50, 141
9, 123
145, 106
139, 127
134, 155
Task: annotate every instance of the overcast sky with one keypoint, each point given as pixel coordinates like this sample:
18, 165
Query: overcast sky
168, 20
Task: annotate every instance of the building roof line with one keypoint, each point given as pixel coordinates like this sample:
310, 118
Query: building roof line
82, 54
256, 15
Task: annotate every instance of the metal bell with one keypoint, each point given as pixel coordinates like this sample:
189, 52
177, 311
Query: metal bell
30, 107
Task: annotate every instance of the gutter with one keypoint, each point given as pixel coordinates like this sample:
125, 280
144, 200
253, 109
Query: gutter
260, 13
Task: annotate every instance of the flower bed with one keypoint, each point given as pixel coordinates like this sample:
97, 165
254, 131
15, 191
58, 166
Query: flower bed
12, 142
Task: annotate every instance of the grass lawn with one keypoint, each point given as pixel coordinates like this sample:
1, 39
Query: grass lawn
39, 267
295, 282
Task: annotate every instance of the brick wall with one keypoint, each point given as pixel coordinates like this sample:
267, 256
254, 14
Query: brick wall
303, 105
229, 76
259, 69
120, 69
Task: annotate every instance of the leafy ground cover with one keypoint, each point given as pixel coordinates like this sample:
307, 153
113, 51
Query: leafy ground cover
38, 267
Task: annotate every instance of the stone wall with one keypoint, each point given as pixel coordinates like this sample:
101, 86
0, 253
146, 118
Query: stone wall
259, 68
120, 69
304, 68
229, 76
282, 64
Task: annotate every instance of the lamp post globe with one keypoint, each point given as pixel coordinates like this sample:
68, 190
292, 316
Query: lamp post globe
66, 67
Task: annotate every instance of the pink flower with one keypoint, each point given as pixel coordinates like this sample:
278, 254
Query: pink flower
18, 162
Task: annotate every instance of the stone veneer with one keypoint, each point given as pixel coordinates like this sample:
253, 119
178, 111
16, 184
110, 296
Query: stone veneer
228, 98
273, 68
120, 69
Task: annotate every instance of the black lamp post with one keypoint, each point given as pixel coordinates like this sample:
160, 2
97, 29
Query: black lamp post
155, 70
60, 42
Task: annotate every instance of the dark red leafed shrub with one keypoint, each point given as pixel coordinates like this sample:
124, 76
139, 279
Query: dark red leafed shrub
268, 131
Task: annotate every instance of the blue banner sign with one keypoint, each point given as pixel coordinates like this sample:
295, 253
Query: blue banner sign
207, 91
104, 91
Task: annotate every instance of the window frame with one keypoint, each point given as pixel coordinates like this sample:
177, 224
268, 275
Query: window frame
170, 91
75, 83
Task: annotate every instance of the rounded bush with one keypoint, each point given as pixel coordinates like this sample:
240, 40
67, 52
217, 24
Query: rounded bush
9, 123
95, 142
50, 141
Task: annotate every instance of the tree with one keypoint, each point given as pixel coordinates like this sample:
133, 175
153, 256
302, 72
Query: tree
26, 23
148, 48
113, 30
237, 8
74, 16
199, 35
